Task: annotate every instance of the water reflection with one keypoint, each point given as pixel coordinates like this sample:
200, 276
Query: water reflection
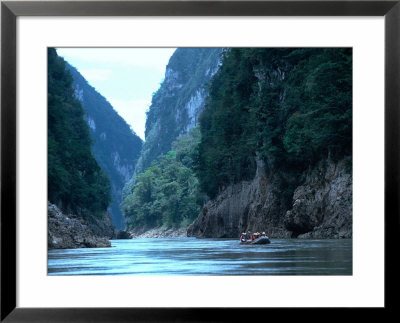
190, 256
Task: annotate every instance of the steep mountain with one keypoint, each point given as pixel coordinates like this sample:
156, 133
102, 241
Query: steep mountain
177, 105
276, 144
115, 146
164, 192
77, 185
274, 152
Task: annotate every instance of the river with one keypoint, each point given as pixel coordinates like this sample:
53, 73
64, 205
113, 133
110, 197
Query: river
191, 256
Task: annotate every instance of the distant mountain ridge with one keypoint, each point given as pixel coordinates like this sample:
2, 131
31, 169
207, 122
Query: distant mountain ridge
116, 147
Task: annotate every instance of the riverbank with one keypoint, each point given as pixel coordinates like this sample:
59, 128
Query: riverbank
70, 231
160, 233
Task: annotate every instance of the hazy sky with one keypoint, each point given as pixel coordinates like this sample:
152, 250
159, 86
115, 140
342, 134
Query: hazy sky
126, 77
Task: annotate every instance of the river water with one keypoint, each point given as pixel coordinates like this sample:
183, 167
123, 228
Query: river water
191, 256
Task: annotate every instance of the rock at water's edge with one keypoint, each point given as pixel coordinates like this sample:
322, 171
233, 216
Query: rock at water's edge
321, 207
70, 231
122, 234
160, 233
248, 205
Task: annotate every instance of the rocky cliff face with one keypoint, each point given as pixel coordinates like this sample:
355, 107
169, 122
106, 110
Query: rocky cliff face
177, 105
102, 227
321, 208
70, 231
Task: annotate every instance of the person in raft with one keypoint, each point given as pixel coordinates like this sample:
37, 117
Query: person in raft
248, 236
245, 236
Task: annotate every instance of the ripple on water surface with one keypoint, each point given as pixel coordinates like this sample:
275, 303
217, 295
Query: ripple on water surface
190, 256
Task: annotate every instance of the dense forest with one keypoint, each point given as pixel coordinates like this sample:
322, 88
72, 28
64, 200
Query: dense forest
289, 107
76, 182
167, 194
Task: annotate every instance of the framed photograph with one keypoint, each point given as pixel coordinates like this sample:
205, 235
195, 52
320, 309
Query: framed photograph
259, 53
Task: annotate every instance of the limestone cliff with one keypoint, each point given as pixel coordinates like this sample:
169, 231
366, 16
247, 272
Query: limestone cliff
321, 207
177, 105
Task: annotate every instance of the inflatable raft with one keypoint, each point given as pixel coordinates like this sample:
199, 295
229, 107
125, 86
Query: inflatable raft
260, 240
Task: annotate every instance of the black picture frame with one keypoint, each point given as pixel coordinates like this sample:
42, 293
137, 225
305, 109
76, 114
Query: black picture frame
10, 10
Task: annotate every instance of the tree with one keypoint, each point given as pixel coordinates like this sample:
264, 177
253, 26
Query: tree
167, 193
289, 106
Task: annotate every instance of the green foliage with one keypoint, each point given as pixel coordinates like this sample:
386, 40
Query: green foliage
291, 107
75, 181
167, 193
226, 152
320, 106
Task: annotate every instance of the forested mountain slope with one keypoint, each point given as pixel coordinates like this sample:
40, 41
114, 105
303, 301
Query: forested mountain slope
76, 182
77, 186
273, 150
164, 190
176, 106
167, 194
115, 146
276, 144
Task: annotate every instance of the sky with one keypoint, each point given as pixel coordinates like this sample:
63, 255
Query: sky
126, 77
